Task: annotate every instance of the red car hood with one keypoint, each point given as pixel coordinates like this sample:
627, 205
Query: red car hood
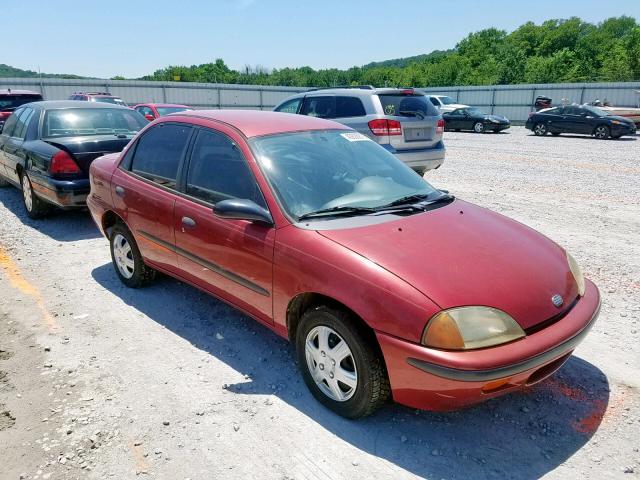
462, 254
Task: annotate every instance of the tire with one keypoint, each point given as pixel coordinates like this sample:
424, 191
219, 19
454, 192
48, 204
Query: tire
540, 129
127, 260
34, 207
602, 132
359, 363
478, 127
419, 170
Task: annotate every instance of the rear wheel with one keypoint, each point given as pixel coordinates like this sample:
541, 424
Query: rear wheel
127, 260
602, 132
342, 369
419, 170
478, 127
35, 207
540, 129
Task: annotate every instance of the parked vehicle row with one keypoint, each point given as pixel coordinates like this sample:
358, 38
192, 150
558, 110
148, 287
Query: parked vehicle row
318, 231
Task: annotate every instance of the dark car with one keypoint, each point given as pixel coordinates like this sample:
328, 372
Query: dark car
46, 149
12, 99
102, 97
471, 118
582, 119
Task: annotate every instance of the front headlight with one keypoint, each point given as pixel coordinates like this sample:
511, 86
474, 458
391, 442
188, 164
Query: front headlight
577, 273
466, 328
493, 120
617, 122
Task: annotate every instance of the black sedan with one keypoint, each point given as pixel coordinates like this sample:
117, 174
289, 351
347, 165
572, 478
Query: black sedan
582, 119
46, 149
471, 118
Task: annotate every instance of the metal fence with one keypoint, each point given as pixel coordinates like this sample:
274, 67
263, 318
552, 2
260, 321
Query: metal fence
199, 95
516, 101
513, 101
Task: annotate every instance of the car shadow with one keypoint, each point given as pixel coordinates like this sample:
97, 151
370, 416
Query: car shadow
60, 225
626, 138
523, 435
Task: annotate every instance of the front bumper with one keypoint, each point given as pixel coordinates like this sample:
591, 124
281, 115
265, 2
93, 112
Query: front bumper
439, 380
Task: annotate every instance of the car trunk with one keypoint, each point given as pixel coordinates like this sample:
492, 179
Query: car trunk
86, 149
418, 119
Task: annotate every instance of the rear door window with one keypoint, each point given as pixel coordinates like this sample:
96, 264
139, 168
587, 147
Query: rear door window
321, 107
218, 171
349, 107
291, 106
23, 121
159, 153
403, 105
11, 122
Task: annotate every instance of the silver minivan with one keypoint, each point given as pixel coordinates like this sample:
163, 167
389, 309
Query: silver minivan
402, 120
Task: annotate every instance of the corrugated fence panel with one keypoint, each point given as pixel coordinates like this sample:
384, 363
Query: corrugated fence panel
513, 101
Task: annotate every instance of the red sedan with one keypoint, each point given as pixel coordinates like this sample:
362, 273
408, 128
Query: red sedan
151, 111
386, 285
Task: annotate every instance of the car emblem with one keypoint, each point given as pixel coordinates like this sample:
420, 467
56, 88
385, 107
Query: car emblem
557, 300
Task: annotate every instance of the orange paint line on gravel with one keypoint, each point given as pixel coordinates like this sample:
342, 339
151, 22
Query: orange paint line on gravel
599, 411
17, 281
141, 464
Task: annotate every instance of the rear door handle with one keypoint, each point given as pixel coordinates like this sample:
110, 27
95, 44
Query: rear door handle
188, 222
119, 191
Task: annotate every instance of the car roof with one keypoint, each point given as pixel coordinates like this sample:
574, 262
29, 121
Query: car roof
55, 104
19, 92
255, 123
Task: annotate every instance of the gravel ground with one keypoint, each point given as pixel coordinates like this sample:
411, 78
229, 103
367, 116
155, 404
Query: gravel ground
99, 381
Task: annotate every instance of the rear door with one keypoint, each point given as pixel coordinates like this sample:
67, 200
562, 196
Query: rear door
6, 144
233, 259
13, 148
418, 119
144, 190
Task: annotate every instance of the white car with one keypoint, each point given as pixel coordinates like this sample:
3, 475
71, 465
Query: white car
445, 104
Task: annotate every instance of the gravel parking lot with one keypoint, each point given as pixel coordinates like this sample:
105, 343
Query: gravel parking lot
100, 381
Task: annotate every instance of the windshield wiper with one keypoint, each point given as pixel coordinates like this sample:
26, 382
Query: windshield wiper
414, 113
339, 210
418, 198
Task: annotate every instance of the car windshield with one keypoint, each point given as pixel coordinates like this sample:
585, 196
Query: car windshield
167, 110
447, 100
14, 101
114, 100
91, 121
333, 169
400, 105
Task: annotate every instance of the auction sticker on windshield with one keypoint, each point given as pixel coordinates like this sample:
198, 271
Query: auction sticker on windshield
354, 136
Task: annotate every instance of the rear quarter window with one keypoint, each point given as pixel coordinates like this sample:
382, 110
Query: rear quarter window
402, 105
349, 107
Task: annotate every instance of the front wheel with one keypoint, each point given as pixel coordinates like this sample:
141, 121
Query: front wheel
35, 207
602, 132
540, 129
343, 370
478, 127
127, 260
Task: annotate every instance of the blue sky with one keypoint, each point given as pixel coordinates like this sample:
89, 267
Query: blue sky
136, 37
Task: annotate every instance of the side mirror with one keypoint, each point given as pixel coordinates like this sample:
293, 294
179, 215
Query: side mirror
149, 117
243, 209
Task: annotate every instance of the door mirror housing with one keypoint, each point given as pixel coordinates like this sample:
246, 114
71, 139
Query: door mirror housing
149, 117
243, 209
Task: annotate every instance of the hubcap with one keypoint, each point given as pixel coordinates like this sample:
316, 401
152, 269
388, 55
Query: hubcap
479, 127
123, 256
601, 132
541, 129
331, 363
26, 192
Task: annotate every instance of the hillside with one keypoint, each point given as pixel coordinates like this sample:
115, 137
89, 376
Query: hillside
7, 71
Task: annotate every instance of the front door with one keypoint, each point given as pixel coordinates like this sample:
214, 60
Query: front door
233, 259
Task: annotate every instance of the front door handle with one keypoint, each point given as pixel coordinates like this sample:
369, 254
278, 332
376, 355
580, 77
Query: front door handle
119, 191
188, 222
